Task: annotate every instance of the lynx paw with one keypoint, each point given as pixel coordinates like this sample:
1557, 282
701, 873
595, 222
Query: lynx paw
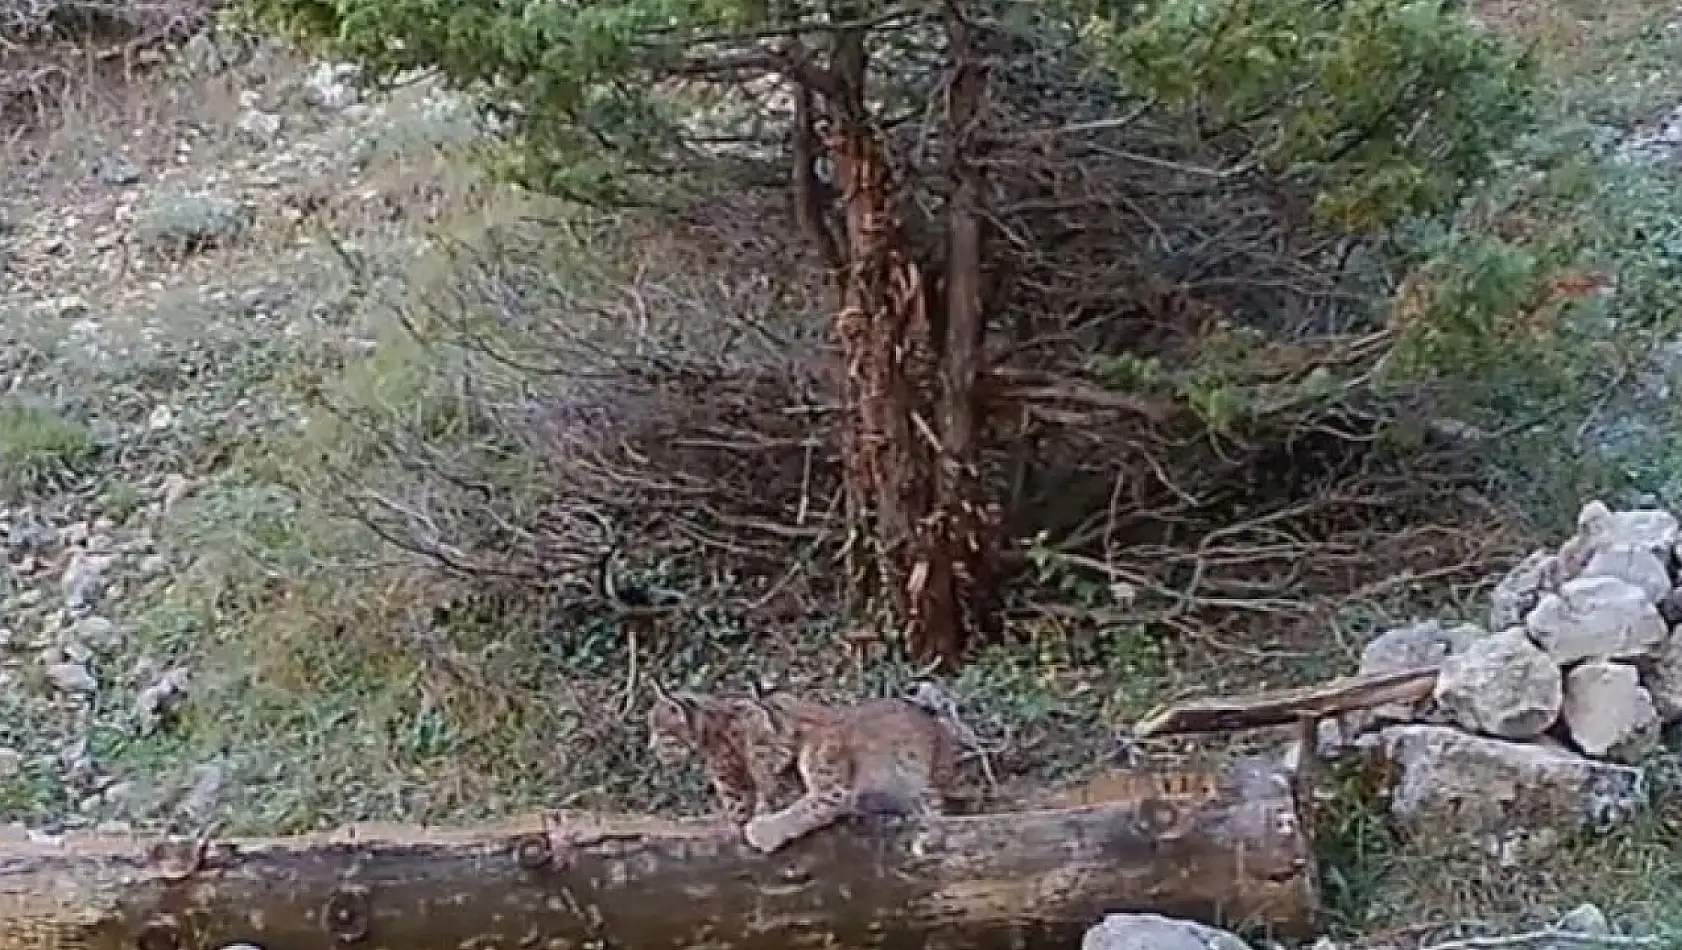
761, 835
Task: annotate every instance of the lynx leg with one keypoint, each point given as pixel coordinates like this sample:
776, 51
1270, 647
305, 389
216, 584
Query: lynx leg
738, 805
807, 814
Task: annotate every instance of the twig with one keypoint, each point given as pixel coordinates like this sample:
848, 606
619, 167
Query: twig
1547, 937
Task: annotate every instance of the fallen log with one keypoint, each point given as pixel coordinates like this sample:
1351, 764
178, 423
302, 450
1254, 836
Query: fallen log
1225, 848
1289, 706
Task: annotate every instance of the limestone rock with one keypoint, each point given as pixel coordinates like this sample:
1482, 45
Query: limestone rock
1597, 618
1517, 593
84, 579
1453, 781
71, 678
1502, 685
1607, 712
1653, 529
1421, 644
1156, 932
1585, 919
1634, 564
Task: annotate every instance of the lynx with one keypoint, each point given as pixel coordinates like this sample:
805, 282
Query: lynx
882, 756
744, 757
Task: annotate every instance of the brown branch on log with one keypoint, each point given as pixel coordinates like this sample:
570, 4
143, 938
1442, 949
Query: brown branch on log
1285, 707
1230, 854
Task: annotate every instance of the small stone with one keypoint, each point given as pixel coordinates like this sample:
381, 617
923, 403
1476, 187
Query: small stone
330, 86
1653, 529
158, 699
74, 533
68, 306
11, 763
1422, 644
199, 803
175, 487
1585, 919
117, 171
84, 579
260, 127
72, 678
97, 630
1663, 681
1157, 932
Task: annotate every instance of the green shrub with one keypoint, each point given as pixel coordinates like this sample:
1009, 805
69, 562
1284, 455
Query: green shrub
40, 447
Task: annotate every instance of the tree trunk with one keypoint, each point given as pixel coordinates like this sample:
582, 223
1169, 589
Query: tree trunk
961, 534
888, 386
926, 534
1226, 853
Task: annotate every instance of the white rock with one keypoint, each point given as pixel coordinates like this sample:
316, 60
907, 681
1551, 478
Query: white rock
157, 699
71, 678
1607, 712
1585, 919
1634, 564
84, 579
259, 127
1597, 618
11, 762
175, 487
1453, 781
1653, 529
1421, 644
330, 86
98, 631
1156, 932
1517, 593
1502, 685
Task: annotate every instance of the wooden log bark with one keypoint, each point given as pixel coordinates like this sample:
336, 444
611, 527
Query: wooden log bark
1289, 706
1227, 851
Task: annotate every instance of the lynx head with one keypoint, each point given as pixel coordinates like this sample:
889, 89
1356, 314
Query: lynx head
674, 725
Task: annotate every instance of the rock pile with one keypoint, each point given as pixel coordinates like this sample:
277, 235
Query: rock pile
1551, 708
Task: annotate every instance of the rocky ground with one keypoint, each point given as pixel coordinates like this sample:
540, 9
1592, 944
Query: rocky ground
179, 271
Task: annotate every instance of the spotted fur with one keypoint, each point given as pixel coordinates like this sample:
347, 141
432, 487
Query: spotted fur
745, 759
883, 756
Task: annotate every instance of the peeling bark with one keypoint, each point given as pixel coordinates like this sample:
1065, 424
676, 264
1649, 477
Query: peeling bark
924, 550
1225, 851
883, 334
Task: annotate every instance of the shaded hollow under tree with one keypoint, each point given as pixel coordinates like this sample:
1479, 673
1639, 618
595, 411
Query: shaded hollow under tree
1102, 297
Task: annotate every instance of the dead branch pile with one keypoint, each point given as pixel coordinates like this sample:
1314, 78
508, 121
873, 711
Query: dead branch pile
46, 44
678, 396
